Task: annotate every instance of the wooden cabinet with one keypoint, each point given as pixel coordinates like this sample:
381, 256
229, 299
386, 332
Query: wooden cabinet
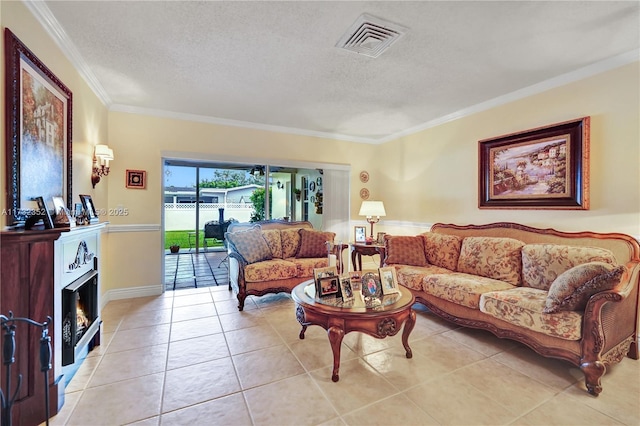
27, 289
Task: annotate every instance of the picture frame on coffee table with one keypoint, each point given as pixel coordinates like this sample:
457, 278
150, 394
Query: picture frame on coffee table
328, 287
371, 285
346, 289
388, 280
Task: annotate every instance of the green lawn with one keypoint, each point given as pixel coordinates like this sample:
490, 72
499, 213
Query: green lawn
181, 238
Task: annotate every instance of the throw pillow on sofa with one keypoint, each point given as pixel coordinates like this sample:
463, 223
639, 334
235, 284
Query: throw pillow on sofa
573, 288
250, 244
405, 250
492, 257
313, 243
290, 241
543, 263
273, 239
442, 250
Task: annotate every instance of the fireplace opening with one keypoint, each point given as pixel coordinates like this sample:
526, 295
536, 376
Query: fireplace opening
80, 320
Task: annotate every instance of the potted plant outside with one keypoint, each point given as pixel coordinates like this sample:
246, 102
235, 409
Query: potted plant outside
297, 192
174, 248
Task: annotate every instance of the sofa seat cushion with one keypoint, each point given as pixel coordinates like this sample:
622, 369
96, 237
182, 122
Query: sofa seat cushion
543, 263
442, 250
463, 289
411, 276
492, 257
305, 266
270, 270
523, 306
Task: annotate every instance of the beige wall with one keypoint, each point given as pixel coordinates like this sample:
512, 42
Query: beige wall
432, 176
423, 178
139, 141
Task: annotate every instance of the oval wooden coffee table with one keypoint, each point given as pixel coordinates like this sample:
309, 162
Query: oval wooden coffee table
380, 321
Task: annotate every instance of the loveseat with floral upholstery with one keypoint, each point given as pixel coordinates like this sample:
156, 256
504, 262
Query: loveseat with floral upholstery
274, 256
572, 296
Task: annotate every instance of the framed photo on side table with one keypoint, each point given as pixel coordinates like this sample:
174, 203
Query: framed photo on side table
389, 280
360, 234
345, 288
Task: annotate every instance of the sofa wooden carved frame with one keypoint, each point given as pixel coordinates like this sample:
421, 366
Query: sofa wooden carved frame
610, 321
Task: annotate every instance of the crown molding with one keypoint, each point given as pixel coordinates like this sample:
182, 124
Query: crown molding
237, 123
51, 25
552, 83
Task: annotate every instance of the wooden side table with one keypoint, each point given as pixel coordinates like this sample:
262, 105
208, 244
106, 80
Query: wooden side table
359, 249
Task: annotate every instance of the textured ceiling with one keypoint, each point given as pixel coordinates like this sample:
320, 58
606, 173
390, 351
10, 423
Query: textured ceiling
273, 64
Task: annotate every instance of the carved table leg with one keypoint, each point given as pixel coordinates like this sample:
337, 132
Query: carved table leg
335, 338
301, 335
408, 327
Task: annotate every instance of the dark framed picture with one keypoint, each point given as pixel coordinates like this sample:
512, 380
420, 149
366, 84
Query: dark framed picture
322, 277
360, 234
136, 179
389, 280
380, 237
328, 287
371, 285
38, 131
543, 168
89, 208
43, 213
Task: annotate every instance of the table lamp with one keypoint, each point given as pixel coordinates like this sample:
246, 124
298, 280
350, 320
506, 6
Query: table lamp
372, 210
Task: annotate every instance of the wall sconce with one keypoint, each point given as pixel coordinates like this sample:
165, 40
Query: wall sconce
101, 156
280, 185
371, 209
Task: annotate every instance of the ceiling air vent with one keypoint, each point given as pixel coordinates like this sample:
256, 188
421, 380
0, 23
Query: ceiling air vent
370, 36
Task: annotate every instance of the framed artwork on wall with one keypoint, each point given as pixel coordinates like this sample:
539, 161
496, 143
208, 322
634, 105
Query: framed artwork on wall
543, 168
38, 131
136, 179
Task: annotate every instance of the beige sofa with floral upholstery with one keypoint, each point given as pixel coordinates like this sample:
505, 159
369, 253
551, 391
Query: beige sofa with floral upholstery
273, 256
572, 296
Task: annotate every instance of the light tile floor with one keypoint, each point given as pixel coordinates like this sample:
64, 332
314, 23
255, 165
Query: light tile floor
189, 357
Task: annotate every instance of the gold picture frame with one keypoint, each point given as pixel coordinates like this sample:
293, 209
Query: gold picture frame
543, 168
388, 280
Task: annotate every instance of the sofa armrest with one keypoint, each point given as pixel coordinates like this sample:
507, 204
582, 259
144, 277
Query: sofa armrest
611, 317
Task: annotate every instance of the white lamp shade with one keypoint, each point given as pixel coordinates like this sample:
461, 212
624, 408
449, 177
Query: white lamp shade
372, 208
104, 152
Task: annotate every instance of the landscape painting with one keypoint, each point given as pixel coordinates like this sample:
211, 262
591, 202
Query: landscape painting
544, 168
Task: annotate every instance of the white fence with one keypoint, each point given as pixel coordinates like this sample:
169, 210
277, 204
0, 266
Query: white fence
182, 216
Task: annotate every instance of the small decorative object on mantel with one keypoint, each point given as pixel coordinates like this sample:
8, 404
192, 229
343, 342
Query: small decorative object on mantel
89, 208
136, 179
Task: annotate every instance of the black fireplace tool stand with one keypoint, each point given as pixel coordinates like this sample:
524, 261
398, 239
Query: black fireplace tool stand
8, 324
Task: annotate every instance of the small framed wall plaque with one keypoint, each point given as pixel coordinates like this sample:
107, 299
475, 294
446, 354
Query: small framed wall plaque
136, 179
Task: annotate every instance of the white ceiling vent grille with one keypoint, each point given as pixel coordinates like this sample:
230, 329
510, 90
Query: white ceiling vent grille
370, 36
